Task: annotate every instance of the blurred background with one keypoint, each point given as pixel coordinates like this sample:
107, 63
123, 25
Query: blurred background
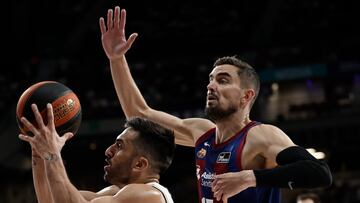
306, 52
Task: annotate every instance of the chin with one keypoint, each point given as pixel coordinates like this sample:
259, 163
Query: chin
210, 105
107, 178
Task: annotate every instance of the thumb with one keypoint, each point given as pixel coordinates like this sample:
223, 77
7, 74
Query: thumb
68, 136
131, 39
25, 138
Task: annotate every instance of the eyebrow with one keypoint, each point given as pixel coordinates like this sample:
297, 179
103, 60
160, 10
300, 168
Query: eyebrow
221, 74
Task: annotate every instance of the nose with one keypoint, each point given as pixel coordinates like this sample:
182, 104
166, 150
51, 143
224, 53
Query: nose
211, 86
109, 151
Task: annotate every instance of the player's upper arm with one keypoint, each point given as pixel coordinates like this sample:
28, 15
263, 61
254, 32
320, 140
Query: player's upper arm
270, 140
134, 193
187, 131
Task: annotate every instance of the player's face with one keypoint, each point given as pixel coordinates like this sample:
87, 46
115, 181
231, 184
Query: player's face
224, 92
121, 157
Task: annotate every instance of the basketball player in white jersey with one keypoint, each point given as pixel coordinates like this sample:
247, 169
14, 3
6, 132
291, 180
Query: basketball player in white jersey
135, 160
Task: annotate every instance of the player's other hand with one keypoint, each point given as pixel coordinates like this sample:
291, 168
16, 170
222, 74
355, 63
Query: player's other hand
227, 185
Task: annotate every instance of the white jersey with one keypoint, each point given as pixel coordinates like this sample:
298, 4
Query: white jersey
164, 191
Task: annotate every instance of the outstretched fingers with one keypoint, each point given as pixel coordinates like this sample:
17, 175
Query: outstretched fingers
113, 21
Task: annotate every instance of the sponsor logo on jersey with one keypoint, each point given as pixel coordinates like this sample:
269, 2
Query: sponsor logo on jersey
206, 179
224, 157
208, 176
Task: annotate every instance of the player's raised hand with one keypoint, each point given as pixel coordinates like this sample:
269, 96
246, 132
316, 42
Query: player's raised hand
113, 37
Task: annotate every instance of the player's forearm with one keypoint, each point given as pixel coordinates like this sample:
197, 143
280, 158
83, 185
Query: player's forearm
302, 174
132, 102
41, 184
60, 185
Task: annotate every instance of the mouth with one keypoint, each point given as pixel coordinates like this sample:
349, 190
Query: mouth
211, 97
108, 165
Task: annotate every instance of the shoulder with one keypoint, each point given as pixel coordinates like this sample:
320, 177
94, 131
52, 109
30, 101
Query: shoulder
199, 123
267, 134
198, 126
267, 141
139, 193
265, 128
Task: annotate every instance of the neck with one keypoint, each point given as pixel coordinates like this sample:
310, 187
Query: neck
225, 129
151, 178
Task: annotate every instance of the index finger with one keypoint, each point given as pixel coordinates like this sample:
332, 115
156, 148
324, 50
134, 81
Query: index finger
122, 19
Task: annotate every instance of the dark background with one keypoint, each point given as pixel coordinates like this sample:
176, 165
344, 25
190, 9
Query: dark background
306, 52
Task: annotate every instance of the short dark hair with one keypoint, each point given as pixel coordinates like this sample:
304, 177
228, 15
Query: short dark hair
248, 76
154, 141
309, 195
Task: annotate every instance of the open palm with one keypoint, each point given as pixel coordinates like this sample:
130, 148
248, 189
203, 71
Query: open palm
113, 34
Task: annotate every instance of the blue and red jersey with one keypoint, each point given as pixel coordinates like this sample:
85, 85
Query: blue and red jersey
212, 158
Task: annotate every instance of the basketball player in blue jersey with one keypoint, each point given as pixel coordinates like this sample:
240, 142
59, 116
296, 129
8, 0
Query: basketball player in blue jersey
134, 163
237, 159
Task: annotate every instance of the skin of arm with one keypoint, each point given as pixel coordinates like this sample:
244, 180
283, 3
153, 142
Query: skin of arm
48, 144
61, 188
42, 188
115, 45
41, 184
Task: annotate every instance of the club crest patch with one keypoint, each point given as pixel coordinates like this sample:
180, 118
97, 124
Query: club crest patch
201, 153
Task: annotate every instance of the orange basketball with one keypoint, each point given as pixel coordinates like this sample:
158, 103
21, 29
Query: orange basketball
66, 106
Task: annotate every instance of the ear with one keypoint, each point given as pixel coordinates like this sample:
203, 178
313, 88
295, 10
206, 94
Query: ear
249, 94
141, 163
